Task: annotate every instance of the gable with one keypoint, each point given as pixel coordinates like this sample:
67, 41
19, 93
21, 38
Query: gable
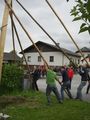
45, 47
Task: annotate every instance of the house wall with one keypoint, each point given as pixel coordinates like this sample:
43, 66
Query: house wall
74, 59
59, 59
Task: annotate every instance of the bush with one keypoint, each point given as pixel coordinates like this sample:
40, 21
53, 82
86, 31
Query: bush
12, 76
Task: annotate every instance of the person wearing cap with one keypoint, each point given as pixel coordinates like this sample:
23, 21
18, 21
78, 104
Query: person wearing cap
35, 76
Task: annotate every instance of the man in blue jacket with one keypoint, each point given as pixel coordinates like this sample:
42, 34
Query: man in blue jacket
65, 83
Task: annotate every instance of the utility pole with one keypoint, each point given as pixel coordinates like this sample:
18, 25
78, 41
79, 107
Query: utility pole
3, 34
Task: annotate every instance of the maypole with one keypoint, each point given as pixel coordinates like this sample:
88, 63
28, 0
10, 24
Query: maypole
3, 34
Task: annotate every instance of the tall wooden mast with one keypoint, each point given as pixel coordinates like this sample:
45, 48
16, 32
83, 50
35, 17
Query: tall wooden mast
3, 34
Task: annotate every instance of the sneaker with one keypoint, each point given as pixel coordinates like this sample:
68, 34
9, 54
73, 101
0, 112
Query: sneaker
78, 99
61, 102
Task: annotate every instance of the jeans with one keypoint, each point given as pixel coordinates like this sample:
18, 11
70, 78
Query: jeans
34, 85
65, 87
79, 89
70, 83
49, 89
88, 87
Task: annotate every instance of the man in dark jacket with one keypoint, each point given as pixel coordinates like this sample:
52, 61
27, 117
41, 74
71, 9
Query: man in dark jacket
36, 76
65, 83
84, 78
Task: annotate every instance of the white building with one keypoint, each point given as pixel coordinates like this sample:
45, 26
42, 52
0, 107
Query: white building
51, 53
86, 53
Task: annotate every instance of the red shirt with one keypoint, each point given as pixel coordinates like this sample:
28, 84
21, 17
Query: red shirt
70, 73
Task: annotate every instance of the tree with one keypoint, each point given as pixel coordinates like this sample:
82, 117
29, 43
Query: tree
81, 11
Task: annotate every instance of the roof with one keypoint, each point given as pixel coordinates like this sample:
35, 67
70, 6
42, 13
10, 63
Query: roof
45, 47
10, 56
84, 49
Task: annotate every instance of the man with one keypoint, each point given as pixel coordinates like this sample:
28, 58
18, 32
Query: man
51, 85
70, 74
84, 78
65, 83
36, 76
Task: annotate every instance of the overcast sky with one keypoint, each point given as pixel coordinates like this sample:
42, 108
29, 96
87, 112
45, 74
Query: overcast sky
43, 14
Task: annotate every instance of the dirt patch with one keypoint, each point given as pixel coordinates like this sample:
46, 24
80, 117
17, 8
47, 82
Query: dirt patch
8, 100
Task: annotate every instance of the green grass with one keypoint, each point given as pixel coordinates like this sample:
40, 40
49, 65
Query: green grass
33, 106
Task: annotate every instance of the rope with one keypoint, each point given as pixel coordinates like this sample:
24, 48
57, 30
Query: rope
3, 27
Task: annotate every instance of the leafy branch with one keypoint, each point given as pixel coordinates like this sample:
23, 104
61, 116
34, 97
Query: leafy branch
82, 12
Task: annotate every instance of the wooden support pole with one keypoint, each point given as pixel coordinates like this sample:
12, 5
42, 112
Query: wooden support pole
28, 35
45, 32
13, 39
3, 34
28, 68
46, 65
66, 30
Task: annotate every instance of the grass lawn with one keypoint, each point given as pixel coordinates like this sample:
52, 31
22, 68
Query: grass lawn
33, 106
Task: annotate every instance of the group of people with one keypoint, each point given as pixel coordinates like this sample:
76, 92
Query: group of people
67, 76
65, 83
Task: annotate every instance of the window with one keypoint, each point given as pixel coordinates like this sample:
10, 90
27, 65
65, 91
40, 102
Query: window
51, 59
39, 58
29, 58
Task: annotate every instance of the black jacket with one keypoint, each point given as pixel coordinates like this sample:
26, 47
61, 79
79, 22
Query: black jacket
84, 74
64, 76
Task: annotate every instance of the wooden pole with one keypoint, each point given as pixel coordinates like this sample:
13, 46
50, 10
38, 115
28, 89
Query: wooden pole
46, 32
13, 39
20, 44
15, 29
26, 32
46, 65
66, 30
3, 34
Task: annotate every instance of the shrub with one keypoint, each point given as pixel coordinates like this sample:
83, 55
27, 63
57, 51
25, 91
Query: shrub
12, 76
